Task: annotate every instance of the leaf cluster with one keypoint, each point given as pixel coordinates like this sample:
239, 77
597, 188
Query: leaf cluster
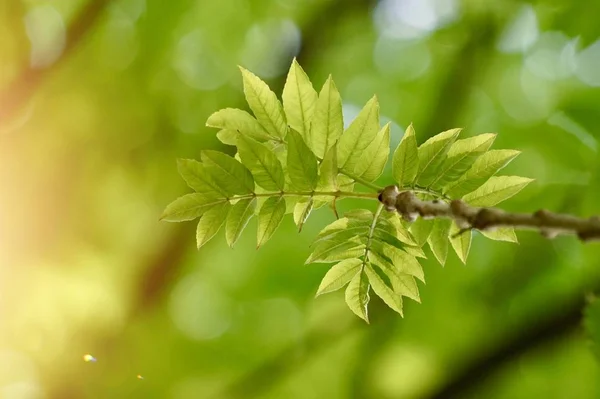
294, 156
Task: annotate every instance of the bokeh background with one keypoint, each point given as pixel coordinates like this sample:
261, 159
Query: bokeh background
97, 100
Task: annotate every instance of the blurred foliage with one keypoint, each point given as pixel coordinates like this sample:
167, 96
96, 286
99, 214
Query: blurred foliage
88, 138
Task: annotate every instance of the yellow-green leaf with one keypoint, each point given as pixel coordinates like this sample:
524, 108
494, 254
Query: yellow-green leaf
361, 132
230, 174
405, 163
227, 136
438, 239
328, 122
483, 168
357, 295
432, 154
264, 104
199, 179
461, 243
269, 218
391, 298
299, 99
189, 207
210, 223
328, 171
301, 163
332, 251
302, 211
339, 275
402, 283
496, 190
461, 157
237, 120
238, 219
375, 156
421, 229
501, 234
263, 164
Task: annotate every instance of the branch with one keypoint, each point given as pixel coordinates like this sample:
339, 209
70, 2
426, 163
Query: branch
469, 217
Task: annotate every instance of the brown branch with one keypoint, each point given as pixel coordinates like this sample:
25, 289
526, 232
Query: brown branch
469, 217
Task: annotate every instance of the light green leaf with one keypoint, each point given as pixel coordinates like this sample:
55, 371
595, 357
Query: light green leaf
199, 179
238, 218
461, 243
341, 235
402, 284
405, 163
210, 223
392, 299
299, 99
263, 164
460, 158
361, 132
339, 275
375, 156
264, 104
432, 154
501, 234
328, 171
189, 207
421, 229
483, 168
438, 239
390, 257
301, 163
269, 218
227, 136
328, 123
345, 183
388, 238
397, 228
496, 190
357, 295
237, 120
332, 251
302, 211
231, 175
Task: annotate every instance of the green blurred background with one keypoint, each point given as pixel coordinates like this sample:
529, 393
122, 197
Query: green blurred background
97, 100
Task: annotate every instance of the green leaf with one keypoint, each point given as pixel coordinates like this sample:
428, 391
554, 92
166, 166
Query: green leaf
302, 211
375, 156
299, 99
189, 207
438, 239
402, 284
301, 163
328, 171
405, 163
496, 190
232, 176
361, 132
460, 158
238, 219
461, 243
432, 154
388, 238
392, 299
269, 218
210, 223
421, 229
357, 295
264, 104
506, 234
199, 179
483, 168
397, 228
237, 120
390, 257
227, 136
339, 275
263, 164
332, 251
328, 123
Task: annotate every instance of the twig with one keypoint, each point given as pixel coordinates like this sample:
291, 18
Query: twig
469, 217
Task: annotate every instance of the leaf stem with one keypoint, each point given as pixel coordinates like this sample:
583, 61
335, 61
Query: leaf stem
362, 181
371, 230
335, 194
